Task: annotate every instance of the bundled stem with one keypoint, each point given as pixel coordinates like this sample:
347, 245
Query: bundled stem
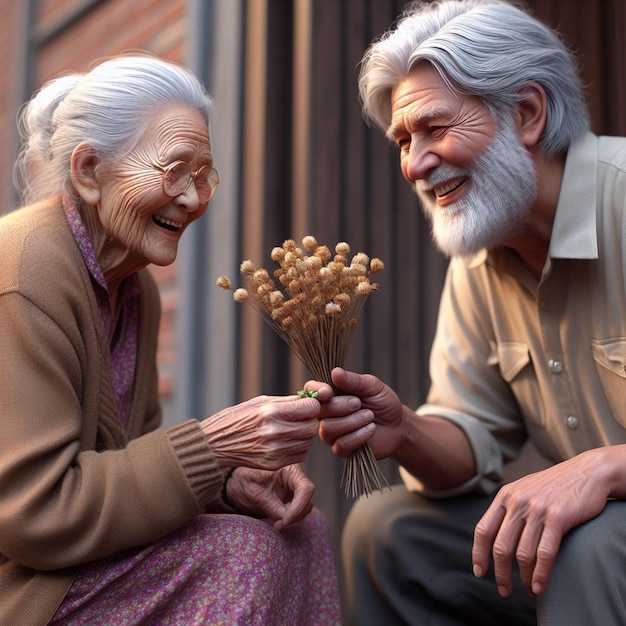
312, 302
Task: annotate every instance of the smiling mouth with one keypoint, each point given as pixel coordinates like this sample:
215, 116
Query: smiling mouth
166, 223
448, 187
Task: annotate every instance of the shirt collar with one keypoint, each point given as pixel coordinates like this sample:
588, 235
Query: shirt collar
574, 233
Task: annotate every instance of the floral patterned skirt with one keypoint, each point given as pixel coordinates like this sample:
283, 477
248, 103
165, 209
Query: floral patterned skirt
218, 570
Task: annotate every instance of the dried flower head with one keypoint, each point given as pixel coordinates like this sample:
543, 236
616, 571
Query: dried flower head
309, 243
223, 282
240, 295
376, 265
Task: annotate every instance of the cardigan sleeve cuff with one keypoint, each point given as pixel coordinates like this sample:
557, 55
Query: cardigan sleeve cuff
197, 460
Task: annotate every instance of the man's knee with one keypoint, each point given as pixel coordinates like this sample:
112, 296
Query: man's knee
363, 524
369, 522
588, 578
377, 529
599, 543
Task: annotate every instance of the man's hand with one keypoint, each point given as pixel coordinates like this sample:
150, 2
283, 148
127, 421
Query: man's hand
529, 517
368, 410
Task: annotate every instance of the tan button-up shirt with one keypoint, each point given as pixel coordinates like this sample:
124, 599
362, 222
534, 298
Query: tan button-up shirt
516, 358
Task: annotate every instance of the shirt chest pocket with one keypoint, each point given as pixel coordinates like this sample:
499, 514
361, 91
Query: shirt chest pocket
515, 365
610, 358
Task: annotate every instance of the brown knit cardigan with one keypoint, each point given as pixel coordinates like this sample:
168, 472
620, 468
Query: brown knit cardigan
72, 487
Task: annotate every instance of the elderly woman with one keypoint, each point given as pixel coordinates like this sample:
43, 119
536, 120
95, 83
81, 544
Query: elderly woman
106, 517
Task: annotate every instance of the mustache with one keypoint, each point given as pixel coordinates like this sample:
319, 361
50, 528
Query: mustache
443, 173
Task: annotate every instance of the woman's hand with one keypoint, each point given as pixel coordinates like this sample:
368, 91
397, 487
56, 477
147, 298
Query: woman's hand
267, 432
283, 496
369, 411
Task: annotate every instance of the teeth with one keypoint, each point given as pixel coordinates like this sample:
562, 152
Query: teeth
170, 224
446, 188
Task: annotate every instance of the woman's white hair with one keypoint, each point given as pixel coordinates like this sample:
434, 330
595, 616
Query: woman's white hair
108, 107
487, 48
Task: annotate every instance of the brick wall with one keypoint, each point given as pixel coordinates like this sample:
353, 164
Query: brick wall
111, 27
9, 43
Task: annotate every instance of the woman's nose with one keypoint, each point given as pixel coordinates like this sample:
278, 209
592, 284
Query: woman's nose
189, 198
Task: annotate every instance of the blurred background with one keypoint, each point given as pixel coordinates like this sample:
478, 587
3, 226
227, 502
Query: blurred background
295, 158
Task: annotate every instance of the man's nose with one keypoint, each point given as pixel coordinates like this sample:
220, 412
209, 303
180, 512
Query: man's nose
421, 160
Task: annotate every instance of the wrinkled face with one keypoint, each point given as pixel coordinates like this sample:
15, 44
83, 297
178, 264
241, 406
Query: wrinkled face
430, 125
475, 178
141, 224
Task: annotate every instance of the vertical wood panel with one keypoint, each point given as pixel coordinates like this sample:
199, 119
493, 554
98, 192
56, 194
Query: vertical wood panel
326, 102
253, 186
301, 154
581, 25
277, 170
613, 45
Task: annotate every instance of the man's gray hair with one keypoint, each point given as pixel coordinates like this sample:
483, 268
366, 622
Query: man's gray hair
487, 48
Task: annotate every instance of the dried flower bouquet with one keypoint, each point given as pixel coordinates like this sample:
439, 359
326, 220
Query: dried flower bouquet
313, 305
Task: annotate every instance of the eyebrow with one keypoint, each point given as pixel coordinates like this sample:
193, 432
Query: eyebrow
417, 119
186, 155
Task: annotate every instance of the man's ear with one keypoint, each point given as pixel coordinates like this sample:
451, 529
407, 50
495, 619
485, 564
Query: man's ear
83, 170
531, 114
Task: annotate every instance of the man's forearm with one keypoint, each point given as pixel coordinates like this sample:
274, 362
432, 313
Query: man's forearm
436, 451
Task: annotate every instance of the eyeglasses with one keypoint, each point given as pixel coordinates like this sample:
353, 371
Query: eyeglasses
177, 177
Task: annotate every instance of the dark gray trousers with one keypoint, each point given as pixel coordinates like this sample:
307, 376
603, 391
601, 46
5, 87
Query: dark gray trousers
407, 560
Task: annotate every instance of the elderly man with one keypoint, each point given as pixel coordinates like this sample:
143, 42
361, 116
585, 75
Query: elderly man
485, 106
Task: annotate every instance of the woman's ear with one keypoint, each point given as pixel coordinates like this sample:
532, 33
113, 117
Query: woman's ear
83, 171
531, 114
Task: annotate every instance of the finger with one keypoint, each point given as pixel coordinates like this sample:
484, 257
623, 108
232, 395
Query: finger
298, 496
334, 427
273, 507
339, 406
346, 381
526, 553
346, 444
546, 552
324, 391
484, 535
305, 431
361, 385
292, 408
504, 550
300, 506
294, 514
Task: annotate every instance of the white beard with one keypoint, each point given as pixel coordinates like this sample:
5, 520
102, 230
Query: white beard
498, 204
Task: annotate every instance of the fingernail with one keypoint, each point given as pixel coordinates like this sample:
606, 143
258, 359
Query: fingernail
502, 590
478, 571
537, 588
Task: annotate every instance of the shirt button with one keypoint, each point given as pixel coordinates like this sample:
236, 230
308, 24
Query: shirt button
555, 366
572, 422
545, 305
